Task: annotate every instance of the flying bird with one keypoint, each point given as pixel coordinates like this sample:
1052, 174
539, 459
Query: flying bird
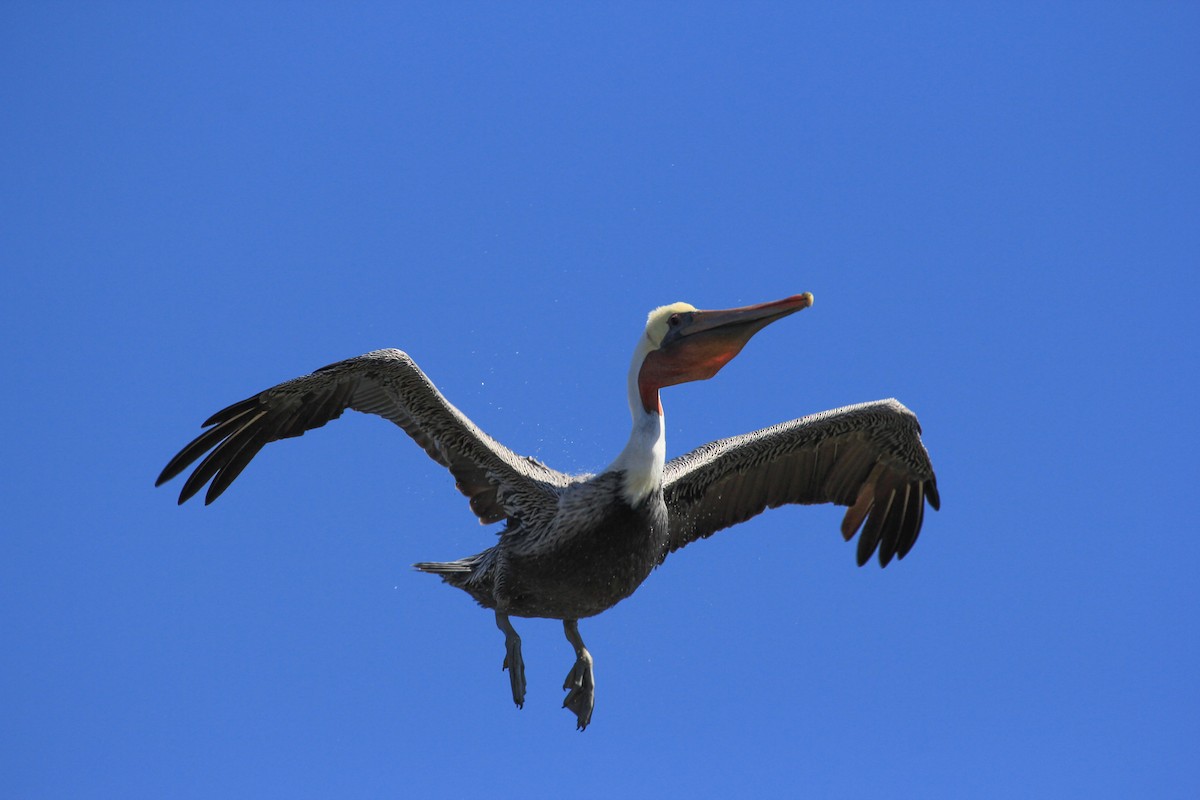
573, 546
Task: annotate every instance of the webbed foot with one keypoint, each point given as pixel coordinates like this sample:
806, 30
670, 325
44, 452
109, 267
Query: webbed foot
581, 682
581, 697
512, 659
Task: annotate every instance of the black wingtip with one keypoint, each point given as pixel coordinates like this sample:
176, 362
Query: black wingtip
931, 492
222, 480
190, 488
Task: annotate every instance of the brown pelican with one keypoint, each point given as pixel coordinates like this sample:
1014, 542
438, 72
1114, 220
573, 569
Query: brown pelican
575, 545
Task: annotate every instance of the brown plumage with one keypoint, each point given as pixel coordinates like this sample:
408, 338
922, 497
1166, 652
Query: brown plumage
575, 545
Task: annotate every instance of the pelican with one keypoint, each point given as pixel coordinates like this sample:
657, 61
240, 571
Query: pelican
573, 546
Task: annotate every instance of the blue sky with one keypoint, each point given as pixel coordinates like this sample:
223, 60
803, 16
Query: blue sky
995, 206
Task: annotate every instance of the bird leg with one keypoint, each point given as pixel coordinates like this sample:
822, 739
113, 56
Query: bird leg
512, 659
580, 682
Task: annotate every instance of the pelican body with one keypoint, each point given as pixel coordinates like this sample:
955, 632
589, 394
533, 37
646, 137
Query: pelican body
573, 546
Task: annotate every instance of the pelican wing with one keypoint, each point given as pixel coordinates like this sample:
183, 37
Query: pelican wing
868, 457
386, 383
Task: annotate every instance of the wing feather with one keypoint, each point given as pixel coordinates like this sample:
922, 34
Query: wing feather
872, 531
386, 383
221, 455
910, 533
198, 447
889, 534
846, 474
868, 457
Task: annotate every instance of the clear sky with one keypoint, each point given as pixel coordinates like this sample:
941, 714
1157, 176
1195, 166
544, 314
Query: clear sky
996, 206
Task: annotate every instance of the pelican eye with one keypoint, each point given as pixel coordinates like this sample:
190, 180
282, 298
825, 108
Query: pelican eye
674, 320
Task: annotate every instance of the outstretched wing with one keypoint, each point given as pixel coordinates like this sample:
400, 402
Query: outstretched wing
868, 457
386, 383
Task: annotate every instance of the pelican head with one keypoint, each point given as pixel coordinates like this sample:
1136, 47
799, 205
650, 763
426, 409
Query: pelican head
683, 343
